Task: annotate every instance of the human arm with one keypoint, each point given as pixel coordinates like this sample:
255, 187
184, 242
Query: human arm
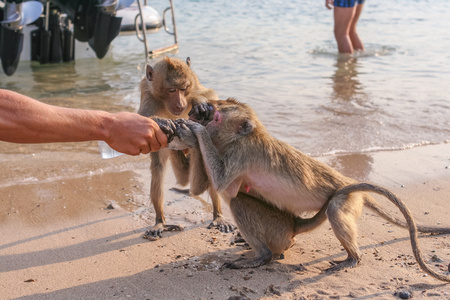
329, 4
25, 120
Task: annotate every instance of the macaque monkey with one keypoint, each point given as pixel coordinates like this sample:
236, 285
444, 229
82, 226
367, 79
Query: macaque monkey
268, 184
269, 230
169, 90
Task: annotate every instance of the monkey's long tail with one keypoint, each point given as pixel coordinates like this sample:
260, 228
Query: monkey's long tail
366, 187
304, 225
375, 206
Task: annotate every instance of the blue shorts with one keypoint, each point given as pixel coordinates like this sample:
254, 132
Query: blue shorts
347, 3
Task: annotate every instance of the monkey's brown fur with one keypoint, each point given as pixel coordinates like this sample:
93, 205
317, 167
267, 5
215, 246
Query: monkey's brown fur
267, 229
268, 182
169, 90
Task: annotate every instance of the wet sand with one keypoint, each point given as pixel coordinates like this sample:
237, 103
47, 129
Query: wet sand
61, 241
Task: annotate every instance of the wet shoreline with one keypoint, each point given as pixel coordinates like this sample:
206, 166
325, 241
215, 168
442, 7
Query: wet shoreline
56, 179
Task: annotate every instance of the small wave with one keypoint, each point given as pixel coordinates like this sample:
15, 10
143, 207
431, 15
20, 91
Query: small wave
376, 50
382, 148
324, 52
30, 179
370, 51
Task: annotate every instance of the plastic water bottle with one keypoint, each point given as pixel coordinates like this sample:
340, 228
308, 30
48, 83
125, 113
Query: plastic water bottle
106, 151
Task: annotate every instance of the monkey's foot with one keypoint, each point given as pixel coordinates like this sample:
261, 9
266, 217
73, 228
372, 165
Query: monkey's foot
348, 263
222, 224
181, 191
156, 231
244, 263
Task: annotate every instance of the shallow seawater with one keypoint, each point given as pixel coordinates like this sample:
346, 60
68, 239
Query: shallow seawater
280, 57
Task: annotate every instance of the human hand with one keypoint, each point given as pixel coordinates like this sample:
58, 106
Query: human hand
329, 4
134, 134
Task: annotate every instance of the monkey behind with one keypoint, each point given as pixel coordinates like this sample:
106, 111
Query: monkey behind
169, 90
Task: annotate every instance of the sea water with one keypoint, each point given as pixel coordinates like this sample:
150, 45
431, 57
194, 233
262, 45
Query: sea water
281, 58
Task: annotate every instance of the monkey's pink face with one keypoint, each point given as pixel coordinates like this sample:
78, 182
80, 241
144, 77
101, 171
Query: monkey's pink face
225, 117
216, 120
212, 122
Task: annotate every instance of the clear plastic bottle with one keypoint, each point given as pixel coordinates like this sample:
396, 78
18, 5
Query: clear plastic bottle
106, 151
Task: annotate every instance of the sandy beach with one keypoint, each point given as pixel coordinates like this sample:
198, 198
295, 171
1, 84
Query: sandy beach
72, 225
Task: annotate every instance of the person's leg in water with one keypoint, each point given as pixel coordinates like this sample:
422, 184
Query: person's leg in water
356, 41
346, 15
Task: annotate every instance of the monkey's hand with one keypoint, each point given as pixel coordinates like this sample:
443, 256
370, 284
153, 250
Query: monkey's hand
185, 134
202, 113
167, 126
194, 126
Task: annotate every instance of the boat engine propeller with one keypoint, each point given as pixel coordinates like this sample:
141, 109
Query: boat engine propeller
15, 16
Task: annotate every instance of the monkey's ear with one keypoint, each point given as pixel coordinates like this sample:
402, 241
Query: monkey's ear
188, 61
246, 127
149, 72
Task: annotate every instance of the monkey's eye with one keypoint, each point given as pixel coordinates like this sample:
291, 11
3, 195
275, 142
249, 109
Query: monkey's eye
172, 90
183, 89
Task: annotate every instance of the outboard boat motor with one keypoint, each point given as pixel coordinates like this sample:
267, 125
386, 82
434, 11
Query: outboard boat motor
16, 14
107, 26
53, 41
94, 21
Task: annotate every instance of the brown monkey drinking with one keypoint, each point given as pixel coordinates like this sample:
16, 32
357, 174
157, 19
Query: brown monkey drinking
169, 90
268, 184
